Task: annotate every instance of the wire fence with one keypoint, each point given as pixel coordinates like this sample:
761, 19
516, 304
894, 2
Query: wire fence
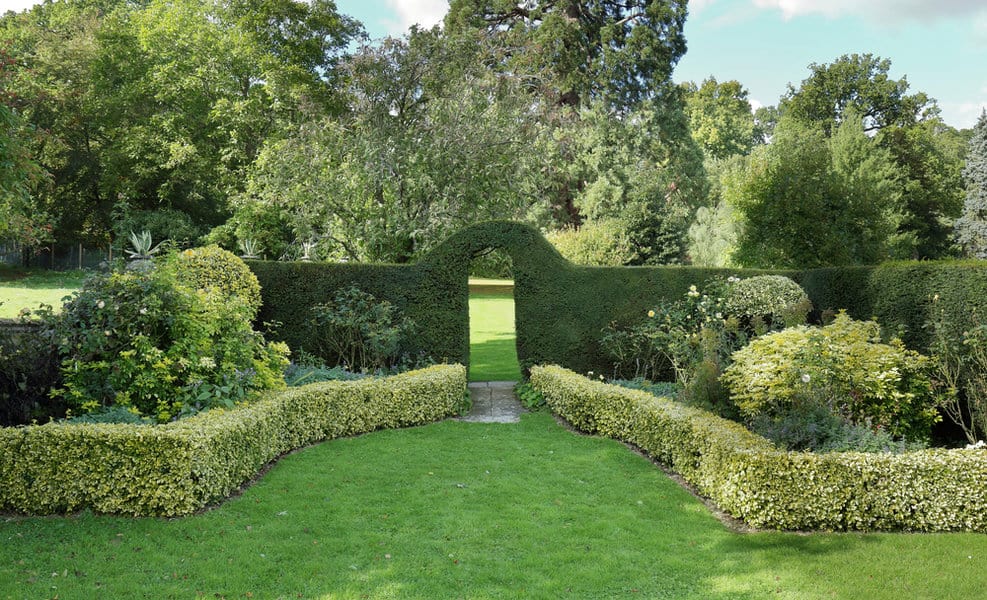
58, 257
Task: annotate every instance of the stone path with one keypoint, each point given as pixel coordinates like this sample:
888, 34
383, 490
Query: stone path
493, 402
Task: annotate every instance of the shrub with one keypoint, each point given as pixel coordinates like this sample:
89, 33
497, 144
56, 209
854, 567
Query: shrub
214, 269
767, 302
28, 371
693, 336
178, 468
960, 366
359, 331
140, 339
811, 424
603, 243
865, 380
746, 476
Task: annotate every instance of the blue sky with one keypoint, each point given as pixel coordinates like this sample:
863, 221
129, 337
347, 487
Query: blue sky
940, 45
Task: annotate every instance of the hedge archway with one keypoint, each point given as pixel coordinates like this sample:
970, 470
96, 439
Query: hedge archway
535, 262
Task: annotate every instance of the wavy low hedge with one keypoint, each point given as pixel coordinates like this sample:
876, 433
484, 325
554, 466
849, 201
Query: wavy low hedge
743, 473
178, 468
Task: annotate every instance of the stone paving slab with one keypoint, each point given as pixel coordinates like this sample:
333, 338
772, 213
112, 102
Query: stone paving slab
493, 402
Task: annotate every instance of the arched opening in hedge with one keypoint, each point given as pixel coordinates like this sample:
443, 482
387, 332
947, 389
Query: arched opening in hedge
535, 264
492, 335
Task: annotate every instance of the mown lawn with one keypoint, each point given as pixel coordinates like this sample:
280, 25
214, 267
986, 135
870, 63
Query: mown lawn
30, 288
468, 510
493, 350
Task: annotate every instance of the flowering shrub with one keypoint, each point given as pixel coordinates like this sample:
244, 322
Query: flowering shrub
693, 338
142, 340
767, 302
883, 386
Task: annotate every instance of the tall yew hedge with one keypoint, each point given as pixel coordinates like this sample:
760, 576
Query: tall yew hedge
561, 309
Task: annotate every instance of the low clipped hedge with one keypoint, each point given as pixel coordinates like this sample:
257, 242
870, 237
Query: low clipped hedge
178, 468
744, 474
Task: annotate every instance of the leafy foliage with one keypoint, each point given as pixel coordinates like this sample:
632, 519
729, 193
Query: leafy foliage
360, 331
960, 371
161, 105
855, 87
143, 340
599, 243
809, 201
621, 53
431, 141
217, 271
862, 379
720, 118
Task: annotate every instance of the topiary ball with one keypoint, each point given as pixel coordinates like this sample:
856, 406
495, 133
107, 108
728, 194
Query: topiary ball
218, 270
774, 299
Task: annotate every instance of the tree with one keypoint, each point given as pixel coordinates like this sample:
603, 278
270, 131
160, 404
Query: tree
811, 201
21, 221
431, 140
158, 107
857, 83
638, 172
608, 63
714, 232
930, 186
619, 52
720, 117
971, 228
906, 124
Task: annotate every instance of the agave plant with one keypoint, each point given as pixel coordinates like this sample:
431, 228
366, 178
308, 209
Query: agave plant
249, 248
141, 242
307, 249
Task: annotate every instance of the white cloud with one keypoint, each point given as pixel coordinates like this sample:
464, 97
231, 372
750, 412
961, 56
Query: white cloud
890, 10
962, 115
16, 5
423, 12
755, 104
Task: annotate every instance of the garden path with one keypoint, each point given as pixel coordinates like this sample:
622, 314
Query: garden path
493, 402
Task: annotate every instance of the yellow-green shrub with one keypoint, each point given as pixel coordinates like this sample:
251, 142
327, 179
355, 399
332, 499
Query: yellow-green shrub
222, 272
929, 490
177, 468
883, 384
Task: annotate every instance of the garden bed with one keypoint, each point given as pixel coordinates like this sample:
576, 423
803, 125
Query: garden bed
744, 474
180, 467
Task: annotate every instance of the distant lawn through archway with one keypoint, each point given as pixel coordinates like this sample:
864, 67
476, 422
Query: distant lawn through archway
493, 345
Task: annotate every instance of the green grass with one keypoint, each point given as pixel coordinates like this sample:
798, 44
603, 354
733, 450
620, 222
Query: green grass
20, 288
468, 510
493, 350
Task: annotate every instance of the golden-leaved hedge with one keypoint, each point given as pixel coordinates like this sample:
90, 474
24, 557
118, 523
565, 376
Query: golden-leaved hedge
178, 468
745, 475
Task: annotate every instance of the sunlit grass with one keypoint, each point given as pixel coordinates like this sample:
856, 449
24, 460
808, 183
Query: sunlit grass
493, 350
468, 510
29, 289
